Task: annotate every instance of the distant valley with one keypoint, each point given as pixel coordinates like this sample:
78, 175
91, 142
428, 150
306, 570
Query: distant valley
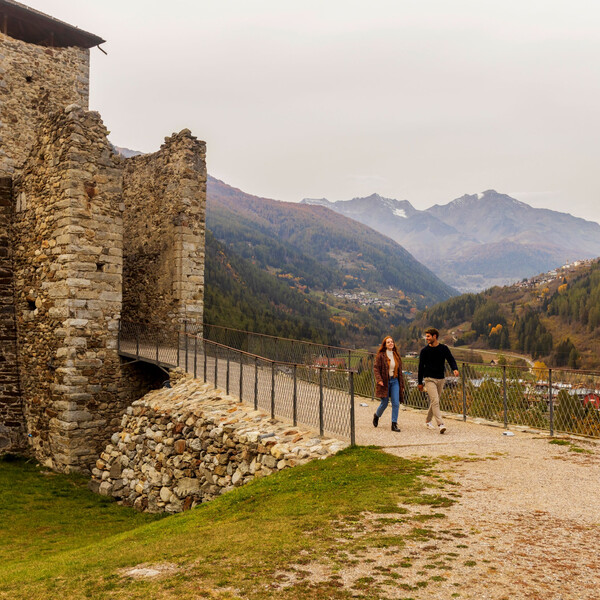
365, 282
477, 241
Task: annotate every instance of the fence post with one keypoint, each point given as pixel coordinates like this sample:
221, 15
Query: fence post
272, 390
352, 415
241, 373
255, 383
464, 391
205, 365
551, 404
157, 361
321, 401
295, 399
227, 375
178, 343
504, 399
186, 345
195, 356
137, 342
119, 337
216, 364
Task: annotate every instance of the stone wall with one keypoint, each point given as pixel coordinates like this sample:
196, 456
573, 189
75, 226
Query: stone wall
12, 428
63, 388
34, 81
182, 446
68, 280
165, 202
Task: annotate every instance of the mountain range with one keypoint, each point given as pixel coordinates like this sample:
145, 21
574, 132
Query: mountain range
366, 281
317, 247
480, 240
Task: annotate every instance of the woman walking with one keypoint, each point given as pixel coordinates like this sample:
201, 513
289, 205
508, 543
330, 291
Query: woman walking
388, 379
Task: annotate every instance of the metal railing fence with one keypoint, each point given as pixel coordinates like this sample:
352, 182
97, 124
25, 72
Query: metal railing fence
556, 400
303, 394
331, 358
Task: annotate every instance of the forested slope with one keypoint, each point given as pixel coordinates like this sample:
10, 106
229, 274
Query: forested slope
554, 317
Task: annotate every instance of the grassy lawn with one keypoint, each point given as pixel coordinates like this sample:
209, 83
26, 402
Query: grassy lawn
60, 540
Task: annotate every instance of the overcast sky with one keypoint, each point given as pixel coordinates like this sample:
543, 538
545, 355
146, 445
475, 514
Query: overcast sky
421, 100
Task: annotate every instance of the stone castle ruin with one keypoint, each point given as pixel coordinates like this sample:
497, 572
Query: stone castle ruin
87, 238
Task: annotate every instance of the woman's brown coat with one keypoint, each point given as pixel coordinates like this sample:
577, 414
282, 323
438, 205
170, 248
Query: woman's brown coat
381, 369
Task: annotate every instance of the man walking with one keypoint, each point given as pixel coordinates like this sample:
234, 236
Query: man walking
431, 372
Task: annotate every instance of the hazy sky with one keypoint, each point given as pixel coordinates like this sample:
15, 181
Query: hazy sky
420, 100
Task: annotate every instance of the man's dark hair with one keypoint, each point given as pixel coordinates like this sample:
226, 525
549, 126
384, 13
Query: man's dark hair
432, 331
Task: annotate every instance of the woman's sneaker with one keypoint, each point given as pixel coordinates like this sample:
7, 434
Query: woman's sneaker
429, 425
375, 420
442, 428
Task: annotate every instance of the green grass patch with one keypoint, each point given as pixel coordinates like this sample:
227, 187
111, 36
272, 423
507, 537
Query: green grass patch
62, 540
424, 518
42, 513
572, 446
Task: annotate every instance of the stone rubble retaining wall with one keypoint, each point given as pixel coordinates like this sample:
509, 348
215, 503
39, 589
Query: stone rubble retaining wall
182, 446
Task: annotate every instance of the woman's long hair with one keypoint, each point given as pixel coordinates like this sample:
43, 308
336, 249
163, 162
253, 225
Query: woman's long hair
383, 347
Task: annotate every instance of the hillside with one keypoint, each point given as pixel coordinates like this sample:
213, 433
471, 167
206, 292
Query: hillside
329, 249
241, 296
365, 281
553, 317
478, 241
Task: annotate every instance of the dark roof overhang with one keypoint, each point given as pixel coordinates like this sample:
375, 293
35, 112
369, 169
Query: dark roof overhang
29, 25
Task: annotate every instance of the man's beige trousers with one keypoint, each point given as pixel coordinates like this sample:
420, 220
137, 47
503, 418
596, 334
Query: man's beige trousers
434, 388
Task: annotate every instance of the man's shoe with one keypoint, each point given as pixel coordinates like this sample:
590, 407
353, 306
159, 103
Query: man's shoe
375, 420
442, 428
429, 425
395, 427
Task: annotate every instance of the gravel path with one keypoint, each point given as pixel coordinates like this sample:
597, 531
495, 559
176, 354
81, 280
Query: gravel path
528, 512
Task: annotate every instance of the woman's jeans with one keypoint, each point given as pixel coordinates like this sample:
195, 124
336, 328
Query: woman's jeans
394, 394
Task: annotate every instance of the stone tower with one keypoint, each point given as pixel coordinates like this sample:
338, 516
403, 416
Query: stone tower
74, 255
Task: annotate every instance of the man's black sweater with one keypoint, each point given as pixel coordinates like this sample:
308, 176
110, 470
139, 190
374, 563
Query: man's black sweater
431, 362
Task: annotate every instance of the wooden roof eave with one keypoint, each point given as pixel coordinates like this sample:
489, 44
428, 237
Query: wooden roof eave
29, 25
